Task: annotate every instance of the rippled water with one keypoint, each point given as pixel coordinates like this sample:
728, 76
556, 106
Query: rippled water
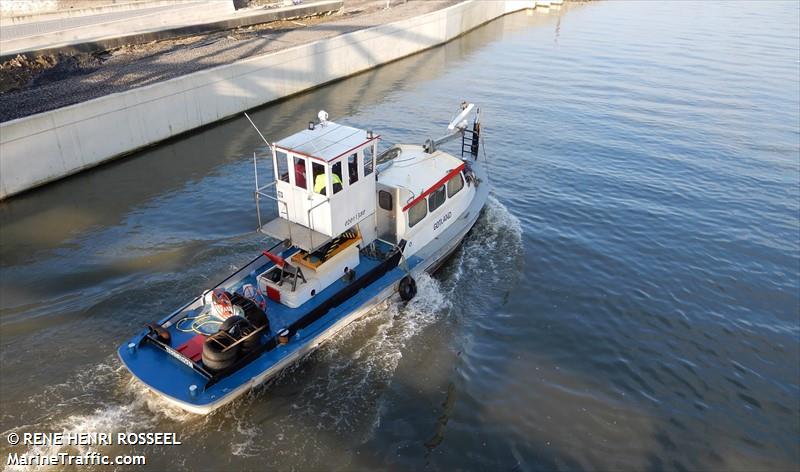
628, 301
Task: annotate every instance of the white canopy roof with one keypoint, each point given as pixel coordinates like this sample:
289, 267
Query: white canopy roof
417, 171
326, 141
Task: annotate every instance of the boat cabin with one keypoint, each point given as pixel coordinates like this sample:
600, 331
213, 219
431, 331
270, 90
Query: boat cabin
333, 201
325, 182
325, 192
418, 192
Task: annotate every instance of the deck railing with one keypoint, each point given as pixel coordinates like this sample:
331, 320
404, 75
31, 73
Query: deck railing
264, 191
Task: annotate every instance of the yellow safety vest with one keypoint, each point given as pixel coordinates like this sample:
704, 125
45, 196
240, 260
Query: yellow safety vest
320, 182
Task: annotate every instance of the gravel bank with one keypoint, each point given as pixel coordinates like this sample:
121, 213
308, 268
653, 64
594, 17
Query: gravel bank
64, 81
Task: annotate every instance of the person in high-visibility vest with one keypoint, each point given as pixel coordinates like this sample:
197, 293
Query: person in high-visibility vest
320, 183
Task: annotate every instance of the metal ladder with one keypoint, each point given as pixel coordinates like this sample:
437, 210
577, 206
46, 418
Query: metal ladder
470, 140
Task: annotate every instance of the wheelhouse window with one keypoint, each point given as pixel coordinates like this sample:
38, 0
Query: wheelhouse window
385, 200
300, 172
455, 184
336, 177
436, 199
369, 158
320, 181
417, 212
282, 166
352, 168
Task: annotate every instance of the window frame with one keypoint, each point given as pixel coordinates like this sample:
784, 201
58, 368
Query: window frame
369, 160
461, 179
352, 161
314, 177
380, 202
431, 201
340, 175
424, 203
276, 163
294, 171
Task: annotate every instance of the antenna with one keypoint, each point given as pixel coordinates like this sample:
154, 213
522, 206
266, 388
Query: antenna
257, 131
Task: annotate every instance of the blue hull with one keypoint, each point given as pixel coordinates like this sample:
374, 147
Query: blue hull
172, 375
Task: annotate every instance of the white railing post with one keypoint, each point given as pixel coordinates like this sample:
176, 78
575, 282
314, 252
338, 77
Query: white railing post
258, 208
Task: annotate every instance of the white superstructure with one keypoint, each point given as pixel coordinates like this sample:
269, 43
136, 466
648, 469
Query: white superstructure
334, 199
324, 181
418, 195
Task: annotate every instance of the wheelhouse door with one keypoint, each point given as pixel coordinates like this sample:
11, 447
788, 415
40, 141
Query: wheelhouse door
387, 225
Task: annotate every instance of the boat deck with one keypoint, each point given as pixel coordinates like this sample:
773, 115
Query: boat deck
280, 316
170, 377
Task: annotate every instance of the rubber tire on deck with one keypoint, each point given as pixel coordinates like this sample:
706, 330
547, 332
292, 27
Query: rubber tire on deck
258, 318
408, 288
253, 341
214, 358
216, 366
229, 322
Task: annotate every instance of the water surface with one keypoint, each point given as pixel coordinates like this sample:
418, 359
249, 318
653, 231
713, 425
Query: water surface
628, 300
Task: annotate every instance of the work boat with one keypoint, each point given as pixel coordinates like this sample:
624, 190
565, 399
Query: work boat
354, 228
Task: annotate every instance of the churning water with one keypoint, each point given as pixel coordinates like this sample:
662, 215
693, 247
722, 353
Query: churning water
628, 299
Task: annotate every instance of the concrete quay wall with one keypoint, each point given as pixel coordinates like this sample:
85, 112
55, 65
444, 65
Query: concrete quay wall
48, 146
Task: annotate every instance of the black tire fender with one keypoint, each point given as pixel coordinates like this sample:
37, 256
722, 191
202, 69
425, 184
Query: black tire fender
258, 318
213, 354
251, 343
238, 322
217, 365
230, 323
407, 288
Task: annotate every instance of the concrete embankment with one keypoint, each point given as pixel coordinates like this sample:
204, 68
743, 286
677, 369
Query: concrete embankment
45, 147
15, 12
157, 26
